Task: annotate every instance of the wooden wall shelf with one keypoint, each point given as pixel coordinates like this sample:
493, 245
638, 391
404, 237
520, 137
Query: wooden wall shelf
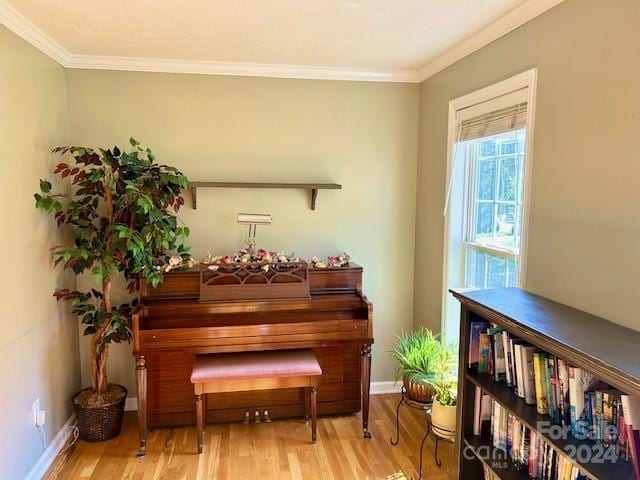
312, 187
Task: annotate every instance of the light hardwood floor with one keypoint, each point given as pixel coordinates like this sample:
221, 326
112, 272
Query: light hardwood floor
279, 450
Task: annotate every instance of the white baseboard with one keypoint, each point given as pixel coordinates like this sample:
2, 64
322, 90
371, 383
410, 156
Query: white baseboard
131, 404
377, 388
49, 455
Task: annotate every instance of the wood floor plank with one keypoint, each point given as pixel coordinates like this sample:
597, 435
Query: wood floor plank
280, 450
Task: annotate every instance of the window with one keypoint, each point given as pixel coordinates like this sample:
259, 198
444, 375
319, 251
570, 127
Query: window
495, 186
490, 136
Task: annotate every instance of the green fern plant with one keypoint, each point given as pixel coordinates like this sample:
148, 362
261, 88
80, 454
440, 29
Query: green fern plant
423, 357
446, 391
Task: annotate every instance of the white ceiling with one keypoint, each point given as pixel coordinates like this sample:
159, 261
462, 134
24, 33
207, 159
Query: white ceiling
384, 36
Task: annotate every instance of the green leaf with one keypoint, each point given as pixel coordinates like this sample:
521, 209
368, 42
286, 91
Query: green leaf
97, 274
45, 186
134, 142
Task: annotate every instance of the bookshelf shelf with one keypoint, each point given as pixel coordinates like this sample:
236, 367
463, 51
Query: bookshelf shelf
504, 469
595, 345
530, 417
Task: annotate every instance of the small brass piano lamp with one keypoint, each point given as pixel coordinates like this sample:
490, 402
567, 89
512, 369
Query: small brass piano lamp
253, 220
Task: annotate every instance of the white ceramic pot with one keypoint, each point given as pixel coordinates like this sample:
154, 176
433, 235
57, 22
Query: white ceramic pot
443, 419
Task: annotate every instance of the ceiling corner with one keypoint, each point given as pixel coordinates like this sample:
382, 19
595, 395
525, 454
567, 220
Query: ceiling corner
21, 26
502, 26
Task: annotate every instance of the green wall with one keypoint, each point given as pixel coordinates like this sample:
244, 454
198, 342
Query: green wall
215, 128
38, 338
585, 204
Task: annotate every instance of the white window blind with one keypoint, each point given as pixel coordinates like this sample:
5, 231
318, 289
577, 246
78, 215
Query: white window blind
494, 123
509, 113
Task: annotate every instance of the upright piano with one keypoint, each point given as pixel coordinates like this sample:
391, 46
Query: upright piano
172, 325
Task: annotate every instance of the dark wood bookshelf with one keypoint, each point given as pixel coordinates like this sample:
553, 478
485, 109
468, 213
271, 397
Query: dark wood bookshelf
312, 187
599, 346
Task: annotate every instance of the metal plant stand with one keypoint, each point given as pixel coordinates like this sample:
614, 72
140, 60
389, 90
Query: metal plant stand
426, 408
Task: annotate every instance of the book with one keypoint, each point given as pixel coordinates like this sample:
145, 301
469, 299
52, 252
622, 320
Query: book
563, 392
528, 374
499, 361
588, 416
533, 455
519, 387
576, 398
495, 416
475, 329
540, 373
484, 353
623, 443
514, 374
510, 431
506, 345
477, 411
611, 399
551, 388
580, 382
598, 418
631, 413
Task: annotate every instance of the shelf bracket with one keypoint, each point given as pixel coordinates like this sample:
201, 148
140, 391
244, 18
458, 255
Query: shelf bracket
314, 196
193, 196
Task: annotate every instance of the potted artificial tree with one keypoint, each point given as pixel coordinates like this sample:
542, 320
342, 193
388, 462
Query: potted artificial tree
421, 358
118, 212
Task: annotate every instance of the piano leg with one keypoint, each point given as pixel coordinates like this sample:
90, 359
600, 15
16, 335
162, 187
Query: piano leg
365, 352
141, 377
307, 403
314, 412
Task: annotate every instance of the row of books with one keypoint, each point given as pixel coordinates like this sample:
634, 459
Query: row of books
527, 450
569, 395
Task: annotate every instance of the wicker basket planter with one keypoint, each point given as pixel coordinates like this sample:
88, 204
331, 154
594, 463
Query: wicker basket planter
102, 422
418, 391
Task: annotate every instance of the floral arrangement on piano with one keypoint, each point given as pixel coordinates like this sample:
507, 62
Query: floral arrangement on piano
258, 274
249, 256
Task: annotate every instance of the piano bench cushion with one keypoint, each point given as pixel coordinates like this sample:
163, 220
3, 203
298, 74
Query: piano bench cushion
246, 365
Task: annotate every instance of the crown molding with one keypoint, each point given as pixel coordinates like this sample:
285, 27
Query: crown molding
99, 62
503, 25
21, 26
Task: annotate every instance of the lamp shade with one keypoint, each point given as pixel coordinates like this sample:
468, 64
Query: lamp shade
255, 218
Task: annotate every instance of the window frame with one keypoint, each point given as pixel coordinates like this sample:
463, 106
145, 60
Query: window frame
525, 80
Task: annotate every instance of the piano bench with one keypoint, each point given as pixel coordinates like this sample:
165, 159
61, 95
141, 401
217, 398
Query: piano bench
250, 371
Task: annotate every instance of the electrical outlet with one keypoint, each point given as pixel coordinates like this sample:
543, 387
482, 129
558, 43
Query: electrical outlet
40, 418
38, 414
35, 408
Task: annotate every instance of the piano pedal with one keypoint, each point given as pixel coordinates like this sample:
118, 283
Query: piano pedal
267, 418
257, 416
246, 418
